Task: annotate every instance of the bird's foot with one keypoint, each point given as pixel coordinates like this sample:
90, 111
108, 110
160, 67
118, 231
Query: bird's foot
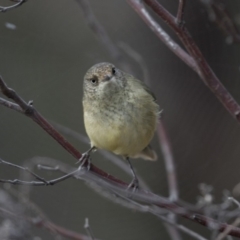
85, 160
133, 185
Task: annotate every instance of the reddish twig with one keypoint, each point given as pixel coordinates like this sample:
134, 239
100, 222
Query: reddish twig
180, 12
30, 111
111, 157
169, 161
139, 7
199, 64
152, 199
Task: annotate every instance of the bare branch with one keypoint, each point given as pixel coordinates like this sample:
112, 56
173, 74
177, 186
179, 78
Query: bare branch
24, 169
102, 35
42, 181
11, 105
150, 199
150, 209
31, 112
199, 65
50, 226
111, 157
137, 58
180, 12
88, 229
169, 161
19, 3
161, 34
219, 15
164, 145
170, 167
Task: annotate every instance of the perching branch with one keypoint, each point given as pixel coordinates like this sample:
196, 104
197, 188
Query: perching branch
30, 111
149, 198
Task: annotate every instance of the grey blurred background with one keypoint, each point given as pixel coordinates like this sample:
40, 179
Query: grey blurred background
44, 59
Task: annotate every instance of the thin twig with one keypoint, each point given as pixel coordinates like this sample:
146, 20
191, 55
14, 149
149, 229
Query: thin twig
19, 3
170, 169
102, 35
234, 224
31, 112
111, 157
222, 235
165, 146
165, 219
139, 7
48, 225
200, 64
235, 201
88, 229
24, 169
205, 72
169, 161
219, 15
11, 105
147, 198
137, 58
40, 183
180, 12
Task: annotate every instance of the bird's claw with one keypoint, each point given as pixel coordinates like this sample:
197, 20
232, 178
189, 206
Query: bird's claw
85, 158
133, 185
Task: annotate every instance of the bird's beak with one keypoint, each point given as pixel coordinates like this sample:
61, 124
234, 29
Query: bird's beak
107, 78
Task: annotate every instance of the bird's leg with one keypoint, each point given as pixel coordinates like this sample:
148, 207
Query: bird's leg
134, 183
86, 158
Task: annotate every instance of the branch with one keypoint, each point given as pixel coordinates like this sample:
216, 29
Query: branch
111, 157
219, 15
24, 169
30, 111
19, 3
149, 198
170, 167
179, 18
169, 161
88, 229
164, 145
196, 60
161, 34
102, 35
48, 225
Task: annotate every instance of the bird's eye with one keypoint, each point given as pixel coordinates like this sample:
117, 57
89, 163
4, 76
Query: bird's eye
94, 80
113, 70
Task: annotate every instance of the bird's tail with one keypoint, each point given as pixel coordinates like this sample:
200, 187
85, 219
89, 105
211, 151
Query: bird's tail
148, 154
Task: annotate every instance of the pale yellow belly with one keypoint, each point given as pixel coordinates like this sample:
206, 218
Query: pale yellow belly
119, 136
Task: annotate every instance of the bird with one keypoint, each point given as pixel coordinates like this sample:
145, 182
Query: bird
120, 114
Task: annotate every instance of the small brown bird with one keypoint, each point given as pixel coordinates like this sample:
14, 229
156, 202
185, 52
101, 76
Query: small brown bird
120, 113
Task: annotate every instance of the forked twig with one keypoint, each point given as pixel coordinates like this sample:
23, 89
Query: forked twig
180, 12
194, 58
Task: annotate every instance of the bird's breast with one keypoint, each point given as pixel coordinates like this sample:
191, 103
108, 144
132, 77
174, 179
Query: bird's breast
122, 127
